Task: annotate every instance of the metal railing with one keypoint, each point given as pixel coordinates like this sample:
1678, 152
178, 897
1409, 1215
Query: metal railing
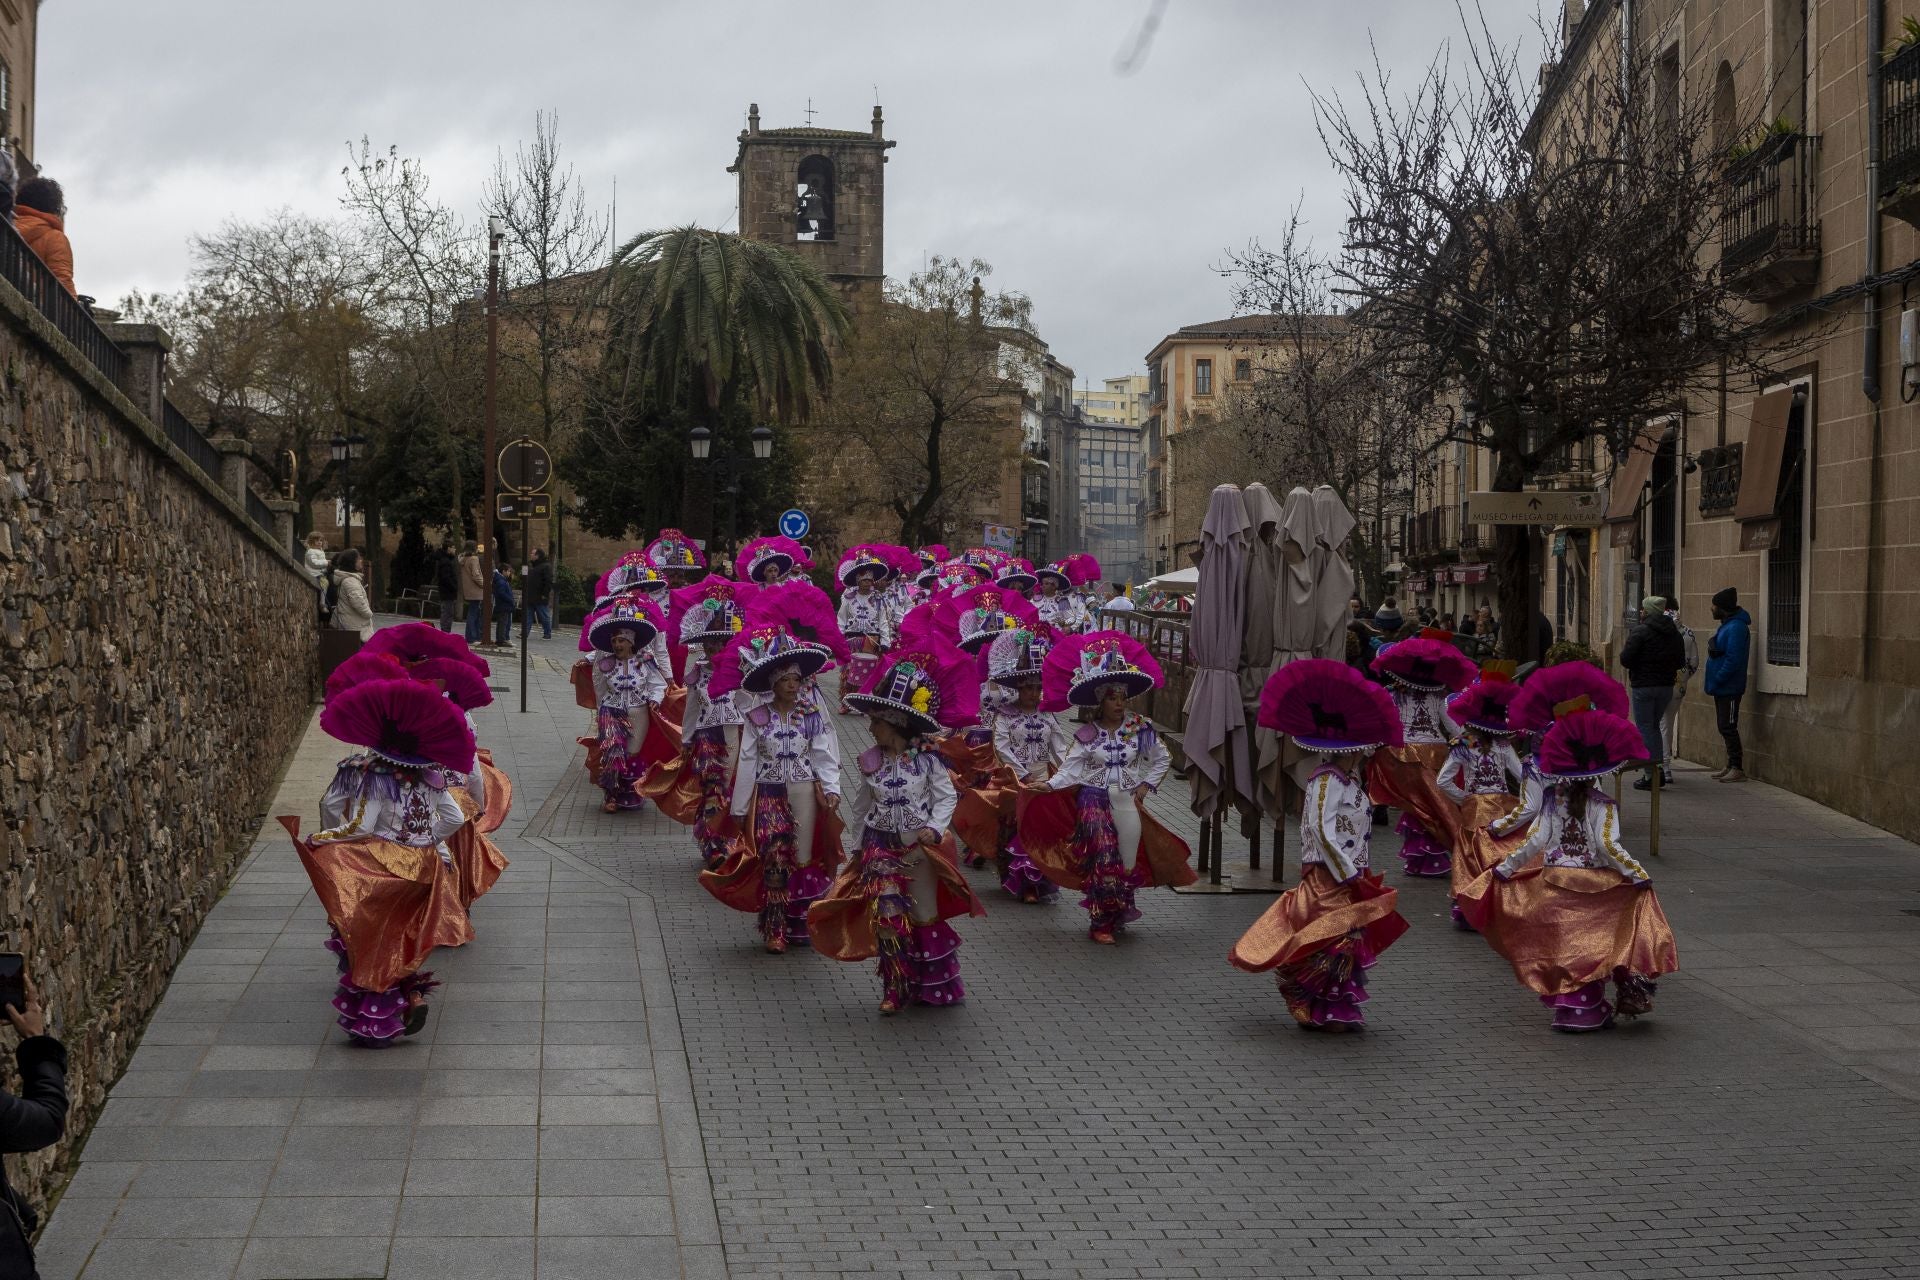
25, 271
259, 512
1900, 119
187, 438
1769, 202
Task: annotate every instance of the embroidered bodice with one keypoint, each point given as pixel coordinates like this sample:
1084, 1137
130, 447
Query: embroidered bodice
369, 797
1336, 823
903, 793
994, 698
1591, 840
1064, 611
797, 748
1533, 790
1486, 770
867, 614
1424, 716
1124, 758
627, 683
1030, 741
704, 712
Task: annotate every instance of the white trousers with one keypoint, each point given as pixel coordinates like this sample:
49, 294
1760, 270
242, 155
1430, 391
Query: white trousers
1126, 825
1668, 719
800, 799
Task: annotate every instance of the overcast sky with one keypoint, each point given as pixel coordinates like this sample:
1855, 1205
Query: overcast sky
1110, 198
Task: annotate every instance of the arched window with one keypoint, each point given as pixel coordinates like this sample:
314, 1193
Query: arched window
813, 199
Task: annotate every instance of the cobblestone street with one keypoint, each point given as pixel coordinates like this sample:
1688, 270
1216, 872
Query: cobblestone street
619, 1082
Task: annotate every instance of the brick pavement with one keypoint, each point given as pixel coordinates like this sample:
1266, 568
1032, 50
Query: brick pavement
1141, 1111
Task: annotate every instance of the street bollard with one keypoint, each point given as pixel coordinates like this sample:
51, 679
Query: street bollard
1653, 818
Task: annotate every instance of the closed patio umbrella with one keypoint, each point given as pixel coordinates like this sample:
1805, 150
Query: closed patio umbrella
1216, 717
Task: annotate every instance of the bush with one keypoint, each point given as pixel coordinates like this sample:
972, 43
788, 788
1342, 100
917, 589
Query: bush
571, 589
1570, 651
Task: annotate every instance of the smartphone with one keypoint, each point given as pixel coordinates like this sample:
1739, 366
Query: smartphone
13, 980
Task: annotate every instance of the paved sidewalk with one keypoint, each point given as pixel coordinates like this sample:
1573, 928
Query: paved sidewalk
619, 1081
541, 1125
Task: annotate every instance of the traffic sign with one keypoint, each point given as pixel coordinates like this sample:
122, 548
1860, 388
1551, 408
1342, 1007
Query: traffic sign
525, 466
523, 506
1540, 506
794, 523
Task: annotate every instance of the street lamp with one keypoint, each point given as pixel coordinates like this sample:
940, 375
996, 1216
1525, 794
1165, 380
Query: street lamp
702, 441
340, 450
727, 465
762, 438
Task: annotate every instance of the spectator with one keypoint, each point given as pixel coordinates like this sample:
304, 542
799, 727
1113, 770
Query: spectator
537, 591
502, 605
1669, 721
31, 1121
1654, 656
1449, 623
1484, 624
1387, 618
446, 584
1726, 679
473, 586
40, 215
315, 557
351, 609
1542, 638
1116, 602
1358, 608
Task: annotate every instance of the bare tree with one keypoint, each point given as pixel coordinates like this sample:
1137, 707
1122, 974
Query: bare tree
1557, 275
926, 401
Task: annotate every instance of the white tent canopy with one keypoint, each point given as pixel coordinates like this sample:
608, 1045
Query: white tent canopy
1182, 581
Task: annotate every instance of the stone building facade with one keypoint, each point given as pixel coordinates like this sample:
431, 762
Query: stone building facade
19, 59
159, 665
1802, 493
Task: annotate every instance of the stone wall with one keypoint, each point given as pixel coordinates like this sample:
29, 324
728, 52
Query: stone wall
157, 663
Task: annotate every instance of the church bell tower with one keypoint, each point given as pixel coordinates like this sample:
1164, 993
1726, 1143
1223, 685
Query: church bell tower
821, 193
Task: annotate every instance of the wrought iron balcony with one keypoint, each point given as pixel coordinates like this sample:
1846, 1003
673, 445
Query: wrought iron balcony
1900, 134
1770, 236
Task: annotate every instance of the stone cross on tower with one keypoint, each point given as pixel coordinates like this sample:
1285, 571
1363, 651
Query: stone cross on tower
820, 192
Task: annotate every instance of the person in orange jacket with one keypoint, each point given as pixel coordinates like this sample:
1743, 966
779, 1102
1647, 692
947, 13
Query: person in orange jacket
40, 211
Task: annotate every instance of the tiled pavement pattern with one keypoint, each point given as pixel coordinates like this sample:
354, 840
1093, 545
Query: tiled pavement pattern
1143, 1111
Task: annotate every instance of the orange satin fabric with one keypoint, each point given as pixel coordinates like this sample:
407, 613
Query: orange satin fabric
980, 810
1047, 823
1476, 849
738, 882
477, 861
1315, 914
673, 786
582, 677
1563, 927
841, 923
1403, 777
392, 903
672, 712
658, 746
968, 761
499, 793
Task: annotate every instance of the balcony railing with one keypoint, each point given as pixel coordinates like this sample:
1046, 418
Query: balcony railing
26, 272
1770, 238
1900, 119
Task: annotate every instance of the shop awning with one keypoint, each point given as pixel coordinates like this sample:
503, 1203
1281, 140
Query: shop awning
1630, 473
1760, 460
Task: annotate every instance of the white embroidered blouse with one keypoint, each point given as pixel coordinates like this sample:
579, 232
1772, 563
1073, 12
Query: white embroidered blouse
1424, 715
627, 683
1336, 823
1490, 769
797, 748
1123, 759
406, 806
867, 614
903, 793
704, 712
1030, 741
1064, 611
1591, 840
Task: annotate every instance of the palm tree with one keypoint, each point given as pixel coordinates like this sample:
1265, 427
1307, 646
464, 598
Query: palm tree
702, 319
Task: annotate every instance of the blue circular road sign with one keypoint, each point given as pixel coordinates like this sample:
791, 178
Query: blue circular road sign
794, 523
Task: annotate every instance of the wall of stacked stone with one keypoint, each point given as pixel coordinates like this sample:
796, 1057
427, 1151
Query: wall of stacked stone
157, 663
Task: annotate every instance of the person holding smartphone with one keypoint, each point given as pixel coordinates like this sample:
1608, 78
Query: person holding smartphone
32, 1119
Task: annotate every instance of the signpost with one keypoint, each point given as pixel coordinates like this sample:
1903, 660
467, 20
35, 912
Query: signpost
794, 523
1547, 507
526, 468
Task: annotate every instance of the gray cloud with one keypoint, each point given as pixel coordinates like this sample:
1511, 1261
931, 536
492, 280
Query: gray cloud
1109, 198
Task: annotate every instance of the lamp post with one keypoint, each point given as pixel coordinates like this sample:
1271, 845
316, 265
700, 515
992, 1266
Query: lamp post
495, 232
700, 444
347, 450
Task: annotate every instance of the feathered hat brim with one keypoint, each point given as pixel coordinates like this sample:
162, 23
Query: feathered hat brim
1086, 693
600, 635
759, 678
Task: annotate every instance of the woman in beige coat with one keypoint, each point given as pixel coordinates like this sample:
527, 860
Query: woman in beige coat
352, 611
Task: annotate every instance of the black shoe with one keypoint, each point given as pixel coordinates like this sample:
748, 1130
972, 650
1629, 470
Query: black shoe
1644, 784
1666, 777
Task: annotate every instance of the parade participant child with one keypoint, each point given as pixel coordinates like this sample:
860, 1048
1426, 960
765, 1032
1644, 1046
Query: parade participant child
1094, 833
380, 865
628, 684
676, 557
1571, 909
865, 617
1016, 575
895, 899
1420, 671
1326, 932
712, 736
1483, 774
1030, 743
805, 613
1058, 603
975, 618
484, 794
786, 786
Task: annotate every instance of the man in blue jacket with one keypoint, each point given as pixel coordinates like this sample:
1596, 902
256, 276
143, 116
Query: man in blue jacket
1727, 674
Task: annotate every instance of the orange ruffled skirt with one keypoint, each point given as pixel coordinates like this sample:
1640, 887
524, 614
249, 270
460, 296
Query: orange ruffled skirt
1317, 913
1562, 928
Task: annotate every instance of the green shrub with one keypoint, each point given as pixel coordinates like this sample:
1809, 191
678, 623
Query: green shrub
1570, 651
